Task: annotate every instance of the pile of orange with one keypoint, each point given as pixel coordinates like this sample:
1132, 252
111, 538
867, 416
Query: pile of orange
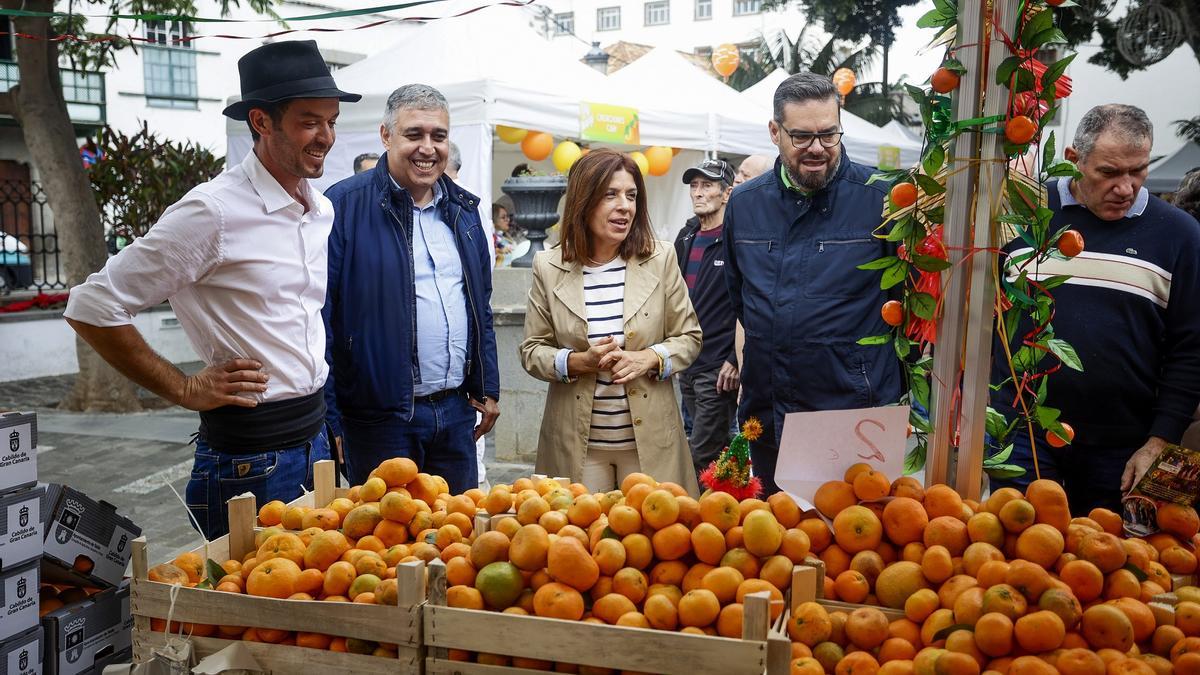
647, 556
346, 551
1012, 585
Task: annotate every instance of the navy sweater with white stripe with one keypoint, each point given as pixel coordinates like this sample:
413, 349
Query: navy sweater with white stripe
1132, 313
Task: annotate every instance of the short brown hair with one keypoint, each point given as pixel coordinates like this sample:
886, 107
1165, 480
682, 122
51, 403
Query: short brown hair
586, 186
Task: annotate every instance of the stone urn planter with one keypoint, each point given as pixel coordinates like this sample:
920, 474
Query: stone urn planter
535, 199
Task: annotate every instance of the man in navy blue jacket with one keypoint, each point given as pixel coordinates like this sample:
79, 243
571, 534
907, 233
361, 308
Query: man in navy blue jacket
795, 236
408, 315
1131, 311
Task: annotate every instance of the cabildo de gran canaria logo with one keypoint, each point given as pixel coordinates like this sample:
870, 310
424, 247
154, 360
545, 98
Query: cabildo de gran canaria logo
14, 441
22, 588
69, 520
23, 660
24, 516
74, 641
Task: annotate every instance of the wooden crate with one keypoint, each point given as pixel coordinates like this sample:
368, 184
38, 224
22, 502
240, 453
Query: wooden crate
617, 647
400, 625
808, 585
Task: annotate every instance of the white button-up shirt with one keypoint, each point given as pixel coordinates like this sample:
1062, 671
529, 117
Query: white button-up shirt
244, 268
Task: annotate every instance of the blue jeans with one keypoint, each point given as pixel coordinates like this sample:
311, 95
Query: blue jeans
1090, 474
440, 438
275, 474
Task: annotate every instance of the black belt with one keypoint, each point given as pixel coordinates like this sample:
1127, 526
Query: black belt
438, 396
275, 425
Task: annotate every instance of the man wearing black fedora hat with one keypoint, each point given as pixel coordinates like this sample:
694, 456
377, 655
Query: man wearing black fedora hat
242, 260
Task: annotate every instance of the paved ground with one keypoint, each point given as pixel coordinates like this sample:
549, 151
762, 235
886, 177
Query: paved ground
133, 460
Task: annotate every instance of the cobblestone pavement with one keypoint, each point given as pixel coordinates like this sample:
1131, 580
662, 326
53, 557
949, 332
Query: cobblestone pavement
130, 459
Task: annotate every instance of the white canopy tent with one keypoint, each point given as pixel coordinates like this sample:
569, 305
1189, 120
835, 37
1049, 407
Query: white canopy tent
862, 139
665, 79
1166, 174
494, 69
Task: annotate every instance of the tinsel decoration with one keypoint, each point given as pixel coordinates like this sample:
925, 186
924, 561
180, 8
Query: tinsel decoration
731, 471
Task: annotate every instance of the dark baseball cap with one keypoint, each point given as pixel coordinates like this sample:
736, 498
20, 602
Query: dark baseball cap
712, 169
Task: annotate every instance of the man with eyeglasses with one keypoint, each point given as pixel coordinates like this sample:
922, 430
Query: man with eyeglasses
796, 235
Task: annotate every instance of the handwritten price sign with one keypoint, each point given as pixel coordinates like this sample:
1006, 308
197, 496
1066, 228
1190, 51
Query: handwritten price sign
817, 447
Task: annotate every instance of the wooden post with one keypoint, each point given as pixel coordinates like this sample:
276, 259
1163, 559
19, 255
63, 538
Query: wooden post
980, 306
756, 618
324, 477
243, 514
805, 583
141, 624
437, 597
960, 188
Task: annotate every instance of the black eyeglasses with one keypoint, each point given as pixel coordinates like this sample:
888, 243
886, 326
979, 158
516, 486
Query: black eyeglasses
801, 141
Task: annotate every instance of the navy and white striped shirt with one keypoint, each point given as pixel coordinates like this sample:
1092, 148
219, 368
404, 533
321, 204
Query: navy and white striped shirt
604, 298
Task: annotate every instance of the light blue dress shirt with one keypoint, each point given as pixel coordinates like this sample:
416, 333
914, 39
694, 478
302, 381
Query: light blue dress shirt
441, 301
1065, 198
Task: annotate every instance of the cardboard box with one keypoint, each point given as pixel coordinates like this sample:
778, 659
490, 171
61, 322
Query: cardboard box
19, 597
18, 450
79, 635
86, 538
20, 527
22, 655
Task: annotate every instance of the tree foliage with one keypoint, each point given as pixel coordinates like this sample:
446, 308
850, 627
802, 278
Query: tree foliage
853, 20
1091, 19
139, 176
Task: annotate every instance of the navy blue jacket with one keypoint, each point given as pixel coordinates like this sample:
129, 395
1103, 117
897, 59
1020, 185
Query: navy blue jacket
370, 308
790, 267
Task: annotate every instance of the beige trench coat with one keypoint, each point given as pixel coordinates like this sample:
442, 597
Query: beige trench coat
657, 311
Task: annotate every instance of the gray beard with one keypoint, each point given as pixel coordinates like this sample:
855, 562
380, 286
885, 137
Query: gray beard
812, 182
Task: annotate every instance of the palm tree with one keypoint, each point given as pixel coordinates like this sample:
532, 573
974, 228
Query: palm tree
1188, 129
807, 52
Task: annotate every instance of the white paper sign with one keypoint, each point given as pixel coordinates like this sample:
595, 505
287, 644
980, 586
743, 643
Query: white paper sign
817, 447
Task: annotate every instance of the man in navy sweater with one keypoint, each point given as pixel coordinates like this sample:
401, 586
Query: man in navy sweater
1131, 311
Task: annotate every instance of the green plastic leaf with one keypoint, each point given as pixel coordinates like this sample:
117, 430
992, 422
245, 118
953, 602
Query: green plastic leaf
933, 161
887, 176
933, 17
894, 275
901, 230
954, 65
920, 391
929, 185
1052, 36
879, 263
948, 630
1025, 81
1054, 282
1000, 457
1038, 23
214, 570
994, 423
928, 263
1048, 150
1005, 70
918, 94
1065, 353
1137, 572
875, 340
922, 304
1056, 69
1004, 471
914, 461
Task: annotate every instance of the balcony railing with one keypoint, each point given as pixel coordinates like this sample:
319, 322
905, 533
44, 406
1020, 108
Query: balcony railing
83, 91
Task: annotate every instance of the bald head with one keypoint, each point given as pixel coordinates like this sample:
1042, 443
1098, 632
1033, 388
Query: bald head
752, 167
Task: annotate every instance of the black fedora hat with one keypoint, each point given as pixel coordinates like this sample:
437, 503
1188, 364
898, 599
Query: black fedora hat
281, 71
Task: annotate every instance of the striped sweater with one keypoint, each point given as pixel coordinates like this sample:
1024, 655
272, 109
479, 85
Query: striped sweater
604, 298
1132, 312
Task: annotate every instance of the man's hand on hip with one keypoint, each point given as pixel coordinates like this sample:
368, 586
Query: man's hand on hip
728, 379
219, 385
1139, 464
490, 410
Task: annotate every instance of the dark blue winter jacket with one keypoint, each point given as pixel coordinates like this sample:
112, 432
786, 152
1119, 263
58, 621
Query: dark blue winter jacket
370, 309
791, 269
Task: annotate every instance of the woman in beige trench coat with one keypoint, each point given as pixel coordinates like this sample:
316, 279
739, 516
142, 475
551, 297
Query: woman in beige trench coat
625, 356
